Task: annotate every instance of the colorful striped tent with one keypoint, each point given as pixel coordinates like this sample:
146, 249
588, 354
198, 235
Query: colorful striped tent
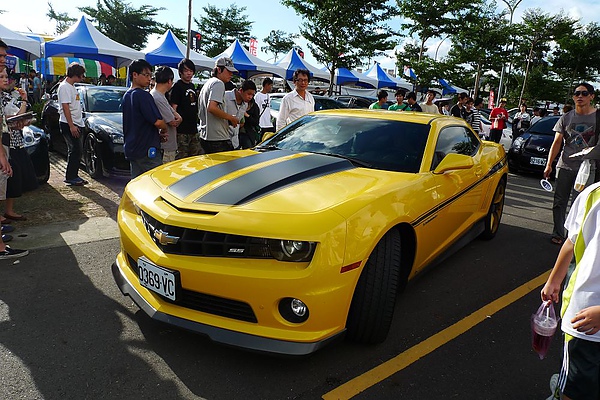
93, 69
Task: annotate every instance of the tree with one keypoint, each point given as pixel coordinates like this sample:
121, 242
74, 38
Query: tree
482, 45
537, 31
63, 21
279, 42
219, 27
343, 33
123, 23
436, 18
577, 57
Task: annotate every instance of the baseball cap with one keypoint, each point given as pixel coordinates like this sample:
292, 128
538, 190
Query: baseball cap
503, 100
227, 63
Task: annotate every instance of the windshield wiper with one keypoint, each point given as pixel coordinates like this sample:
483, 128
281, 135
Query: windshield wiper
267, 148
355, 161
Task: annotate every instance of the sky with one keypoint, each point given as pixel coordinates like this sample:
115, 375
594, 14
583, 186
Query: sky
267, 15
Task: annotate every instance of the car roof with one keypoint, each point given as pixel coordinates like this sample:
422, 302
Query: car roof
407, 116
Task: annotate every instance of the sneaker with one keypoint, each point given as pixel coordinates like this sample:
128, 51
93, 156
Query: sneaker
12, 253
6, 238
554, 388
7, 228
76, 182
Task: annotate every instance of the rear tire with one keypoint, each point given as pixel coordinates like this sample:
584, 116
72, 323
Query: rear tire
494, 215
372, 308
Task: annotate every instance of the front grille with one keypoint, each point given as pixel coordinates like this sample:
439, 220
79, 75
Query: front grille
208, 303
193, 242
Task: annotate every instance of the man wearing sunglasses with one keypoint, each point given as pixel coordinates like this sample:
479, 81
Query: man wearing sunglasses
576, 129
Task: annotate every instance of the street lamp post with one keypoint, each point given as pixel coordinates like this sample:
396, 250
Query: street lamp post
512, 6
189, 30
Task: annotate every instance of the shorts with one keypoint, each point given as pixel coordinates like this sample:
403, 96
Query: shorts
3, 178
580, 373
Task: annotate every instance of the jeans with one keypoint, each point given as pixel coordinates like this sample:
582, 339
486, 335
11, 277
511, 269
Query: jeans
563, 190
216, 146
145, 164
73, 151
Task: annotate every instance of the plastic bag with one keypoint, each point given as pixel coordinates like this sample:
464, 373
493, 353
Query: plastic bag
582, 175
543, 326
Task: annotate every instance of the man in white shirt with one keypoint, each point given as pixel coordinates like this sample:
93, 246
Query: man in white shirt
71, 122
428, 105
298, 102
263, 100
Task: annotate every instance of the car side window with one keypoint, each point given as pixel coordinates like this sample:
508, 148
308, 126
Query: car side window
454, 139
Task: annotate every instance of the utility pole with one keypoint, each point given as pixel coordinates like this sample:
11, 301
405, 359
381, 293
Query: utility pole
189, 30
512, 6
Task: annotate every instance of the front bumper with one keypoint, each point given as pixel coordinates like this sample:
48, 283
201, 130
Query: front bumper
216, 334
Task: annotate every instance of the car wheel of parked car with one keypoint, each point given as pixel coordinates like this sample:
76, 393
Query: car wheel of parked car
374, 298
494, 215
93, 162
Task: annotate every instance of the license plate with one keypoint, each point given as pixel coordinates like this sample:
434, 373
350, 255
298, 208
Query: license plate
158, 279
537, 161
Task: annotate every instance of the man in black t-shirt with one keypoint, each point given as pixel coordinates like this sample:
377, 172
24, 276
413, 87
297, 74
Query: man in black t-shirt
459, 110
184, 100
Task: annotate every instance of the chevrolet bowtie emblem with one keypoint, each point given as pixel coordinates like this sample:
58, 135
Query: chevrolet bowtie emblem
164, 238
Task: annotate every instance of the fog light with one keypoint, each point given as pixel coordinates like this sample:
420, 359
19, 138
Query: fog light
298, 307
293, 310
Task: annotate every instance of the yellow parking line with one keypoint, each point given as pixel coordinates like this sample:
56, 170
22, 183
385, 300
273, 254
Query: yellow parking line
403, 360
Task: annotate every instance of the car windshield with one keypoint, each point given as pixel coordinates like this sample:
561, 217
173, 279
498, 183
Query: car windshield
104, 99
275, 103
327, 104
544, 126
376, 143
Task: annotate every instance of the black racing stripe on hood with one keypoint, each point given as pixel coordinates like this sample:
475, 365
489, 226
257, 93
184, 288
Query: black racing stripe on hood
193, 182
273, 178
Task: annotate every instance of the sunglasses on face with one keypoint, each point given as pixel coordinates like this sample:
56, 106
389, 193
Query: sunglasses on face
583, 93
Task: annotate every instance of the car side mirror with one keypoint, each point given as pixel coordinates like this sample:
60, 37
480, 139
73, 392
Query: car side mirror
267, 135
453, 162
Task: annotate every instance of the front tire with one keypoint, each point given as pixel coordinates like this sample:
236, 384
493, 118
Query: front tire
494, 215
372, 308
91, 157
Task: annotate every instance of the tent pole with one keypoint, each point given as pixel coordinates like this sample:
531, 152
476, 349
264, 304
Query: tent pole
189, 30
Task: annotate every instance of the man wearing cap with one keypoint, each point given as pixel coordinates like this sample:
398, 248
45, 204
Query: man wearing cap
214, 121
298, 102
498, 116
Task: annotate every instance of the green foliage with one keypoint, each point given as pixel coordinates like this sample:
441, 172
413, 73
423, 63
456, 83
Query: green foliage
220, 27
279, 42
123, 23
343, 33
63, 21
437, 18
578, 56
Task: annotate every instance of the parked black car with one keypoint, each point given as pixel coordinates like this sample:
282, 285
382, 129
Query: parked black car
353, 101
529, 152
102, 138
36, 143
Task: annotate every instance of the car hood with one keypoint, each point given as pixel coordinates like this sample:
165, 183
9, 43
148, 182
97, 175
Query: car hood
114, 120
273, 181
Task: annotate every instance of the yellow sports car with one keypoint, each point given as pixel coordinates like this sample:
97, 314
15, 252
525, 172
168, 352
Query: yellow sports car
311, 235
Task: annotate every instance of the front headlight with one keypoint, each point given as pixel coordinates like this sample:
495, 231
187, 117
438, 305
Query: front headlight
31, 136
116, 136
291, 250
518, 143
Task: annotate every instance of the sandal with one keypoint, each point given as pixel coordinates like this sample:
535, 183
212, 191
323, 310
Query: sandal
15, 218
557, 240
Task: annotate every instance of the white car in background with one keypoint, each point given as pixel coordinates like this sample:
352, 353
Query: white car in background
505, 140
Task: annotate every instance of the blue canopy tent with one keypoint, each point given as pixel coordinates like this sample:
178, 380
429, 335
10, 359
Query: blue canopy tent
20, 45
383, 79
83, 40
169, 51
344, 76
292, 61
247, 64
447, 88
